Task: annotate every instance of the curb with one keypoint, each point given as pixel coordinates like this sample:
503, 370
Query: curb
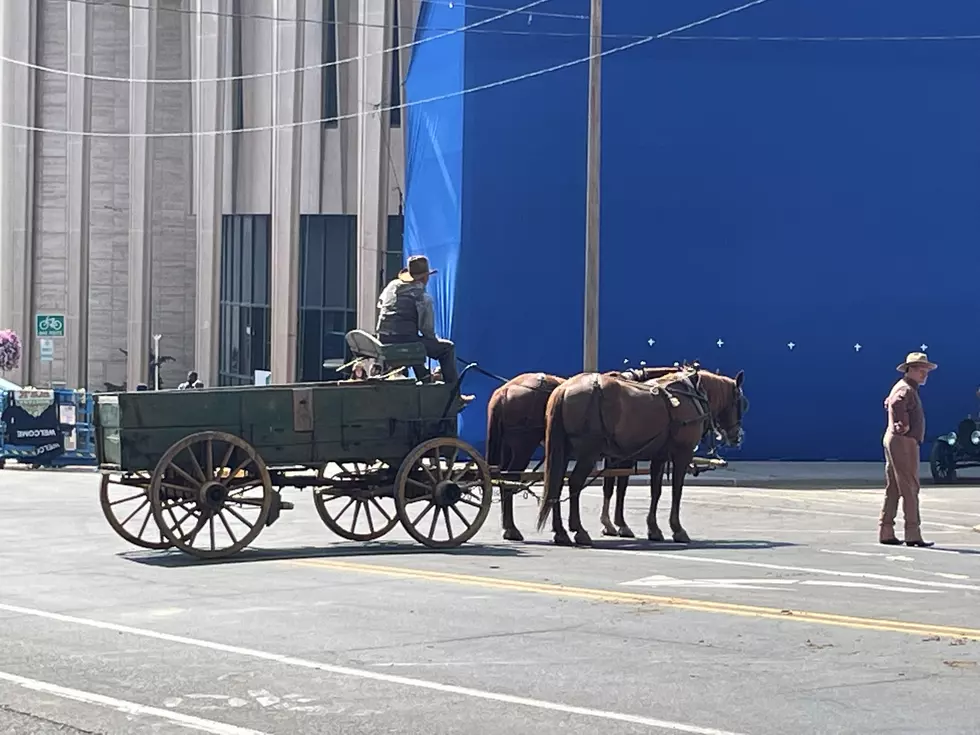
709, 479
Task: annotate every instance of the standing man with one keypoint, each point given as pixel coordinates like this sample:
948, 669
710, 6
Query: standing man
905, 432
406, 314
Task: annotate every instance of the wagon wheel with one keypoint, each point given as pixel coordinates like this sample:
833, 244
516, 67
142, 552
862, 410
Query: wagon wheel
370, 500
130, 504
218, 486
443, 488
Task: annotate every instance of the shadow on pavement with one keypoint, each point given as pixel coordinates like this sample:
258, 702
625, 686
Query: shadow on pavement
176, 559
644, 545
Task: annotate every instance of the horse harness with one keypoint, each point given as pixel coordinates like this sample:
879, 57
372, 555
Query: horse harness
671, 397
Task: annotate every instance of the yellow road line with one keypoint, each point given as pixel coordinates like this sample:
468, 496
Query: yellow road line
678, 603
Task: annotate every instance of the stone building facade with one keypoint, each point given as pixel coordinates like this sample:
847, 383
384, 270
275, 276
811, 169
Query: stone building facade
244, 250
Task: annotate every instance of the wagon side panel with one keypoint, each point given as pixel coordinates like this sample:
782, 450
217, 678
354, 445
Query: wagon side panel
380, 420
280, 422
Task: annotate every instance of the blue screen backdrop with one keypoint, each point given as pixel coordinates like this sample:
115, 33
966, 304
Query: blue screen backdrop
803, 172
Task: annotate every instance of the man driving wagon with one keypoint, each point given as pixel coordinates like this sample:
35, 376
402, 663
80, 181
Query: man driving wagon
406, 314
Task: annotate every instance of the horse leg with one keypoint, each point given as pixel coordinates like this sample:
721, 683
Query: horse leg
681, 463
624, 530
656, 487
557, 527
513, 464
511, 532
576, 482
608, 529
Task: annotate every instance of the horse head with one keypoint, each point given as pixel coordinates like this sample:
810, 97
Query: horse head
728, 406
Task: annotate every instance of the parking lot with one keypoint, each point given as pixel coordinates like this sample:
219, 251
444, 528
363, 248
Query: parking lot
783, 616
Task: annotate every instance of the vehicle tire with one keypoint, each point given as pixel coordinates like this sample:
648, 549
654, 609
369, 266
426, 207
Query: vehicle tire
942, 463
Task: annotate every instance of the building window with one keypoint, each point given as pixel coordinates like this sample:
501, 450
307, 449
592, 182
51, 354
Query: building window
237, 85
394, 257
328, 293
395, 114
331, 105
244, 334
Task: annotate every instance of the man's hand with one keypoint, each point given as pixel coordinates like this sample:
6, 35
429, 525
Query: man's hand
900, 428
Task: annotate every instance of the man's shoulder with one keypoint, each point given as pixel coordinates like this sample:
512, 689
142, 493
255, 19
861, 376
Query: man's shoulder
901, 389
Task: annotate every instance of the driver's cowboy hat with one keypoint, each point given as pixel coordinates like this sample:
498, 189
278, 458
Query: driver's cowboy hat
917, 359
418, 267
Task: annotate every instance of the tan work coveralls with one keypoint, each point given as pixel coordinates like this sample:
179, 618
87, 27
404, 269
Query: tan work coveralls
903, 405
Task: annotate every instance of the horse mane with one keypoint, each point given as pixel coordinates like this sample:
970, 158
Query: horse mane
718, 387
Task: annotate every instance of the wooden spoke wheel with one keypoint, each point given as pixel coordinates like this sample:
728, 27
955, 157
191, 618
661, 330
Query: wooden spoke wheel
126, 505
443, 492
359, 505
211, 494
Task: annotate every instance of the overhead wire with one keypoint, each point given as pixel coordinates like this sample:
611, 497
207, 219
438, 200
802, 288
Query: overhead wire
264, 74
361, 24
475, 27
378, 110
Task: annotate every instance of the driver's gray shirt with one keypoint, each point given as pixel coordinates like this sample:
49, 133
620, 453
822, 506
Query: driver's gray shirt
406, 309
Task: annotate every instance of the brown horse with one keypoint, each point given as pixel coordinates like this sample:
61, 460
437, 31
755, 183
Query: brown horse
515, 428
621, 528
591, 416
516, 422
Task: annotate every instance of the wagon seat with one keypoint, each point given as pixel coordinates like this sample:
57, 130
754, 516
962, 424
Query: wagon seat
366, 346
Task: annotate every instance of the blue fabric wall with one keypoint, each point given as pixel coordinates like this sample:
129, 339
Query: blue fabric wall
760, 192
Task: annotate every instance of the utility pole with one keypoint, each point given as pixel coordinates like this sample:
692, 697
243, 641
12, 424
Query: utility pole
590, 356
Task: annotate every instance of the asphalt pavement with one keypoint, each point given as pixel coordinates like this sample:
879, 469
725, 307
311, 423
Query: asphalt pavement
782, 616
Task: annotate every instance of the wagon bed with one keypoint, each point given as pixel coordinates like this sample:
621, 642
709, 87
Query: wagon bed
203, 462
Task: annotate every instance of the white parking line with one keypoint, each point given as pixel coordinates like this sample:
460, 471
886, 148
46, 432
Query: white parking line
674, 556
129, 708
372, 675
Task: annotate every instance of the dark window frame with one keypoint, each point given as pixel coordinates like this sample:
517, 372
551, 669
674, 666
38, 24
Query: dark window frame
244, 329
328, 242
395, 113
328, 53
237, 66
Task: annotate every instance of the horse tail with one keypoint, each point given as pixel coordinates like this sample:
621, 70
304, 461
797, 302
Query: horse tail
495, 431
555, 455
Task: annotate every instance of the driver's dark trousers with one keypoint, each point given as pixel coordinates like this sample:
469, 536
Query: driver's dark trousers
901, 481
442, 350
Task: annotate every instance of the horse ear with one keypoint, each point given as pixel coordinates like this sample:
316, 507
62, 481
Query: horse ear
740, 378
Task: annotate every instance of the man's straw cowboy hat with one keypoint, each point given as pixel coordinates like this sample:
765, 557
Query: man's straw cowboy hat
418, 266
915, 359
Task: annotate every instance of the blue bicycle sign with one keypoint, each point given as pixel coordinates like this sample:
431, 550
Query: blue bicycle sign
49, 325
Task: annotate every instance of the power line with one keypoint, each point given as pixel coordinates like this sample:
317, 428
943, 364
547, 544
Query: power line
352, 23
379, 110
262, 75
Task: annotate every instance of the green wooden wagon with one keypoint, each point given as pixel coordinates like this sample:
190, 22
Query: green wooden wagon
203, 470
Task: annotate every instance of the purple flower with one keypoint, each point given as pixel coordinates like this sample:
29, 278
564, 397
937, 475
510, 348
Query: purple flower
9, 350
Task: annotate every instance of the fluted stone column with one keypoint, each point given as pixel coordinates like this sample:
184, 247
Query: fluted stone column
209, 103
18, 39
374, 75
78, 161
287, 161
142, 65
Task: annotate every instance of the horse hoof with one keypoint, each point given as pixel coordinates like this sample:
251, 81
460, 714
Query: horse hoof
655, 536
681, 537
626, 532
561, 539
582, 538
512, 534
609, 531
